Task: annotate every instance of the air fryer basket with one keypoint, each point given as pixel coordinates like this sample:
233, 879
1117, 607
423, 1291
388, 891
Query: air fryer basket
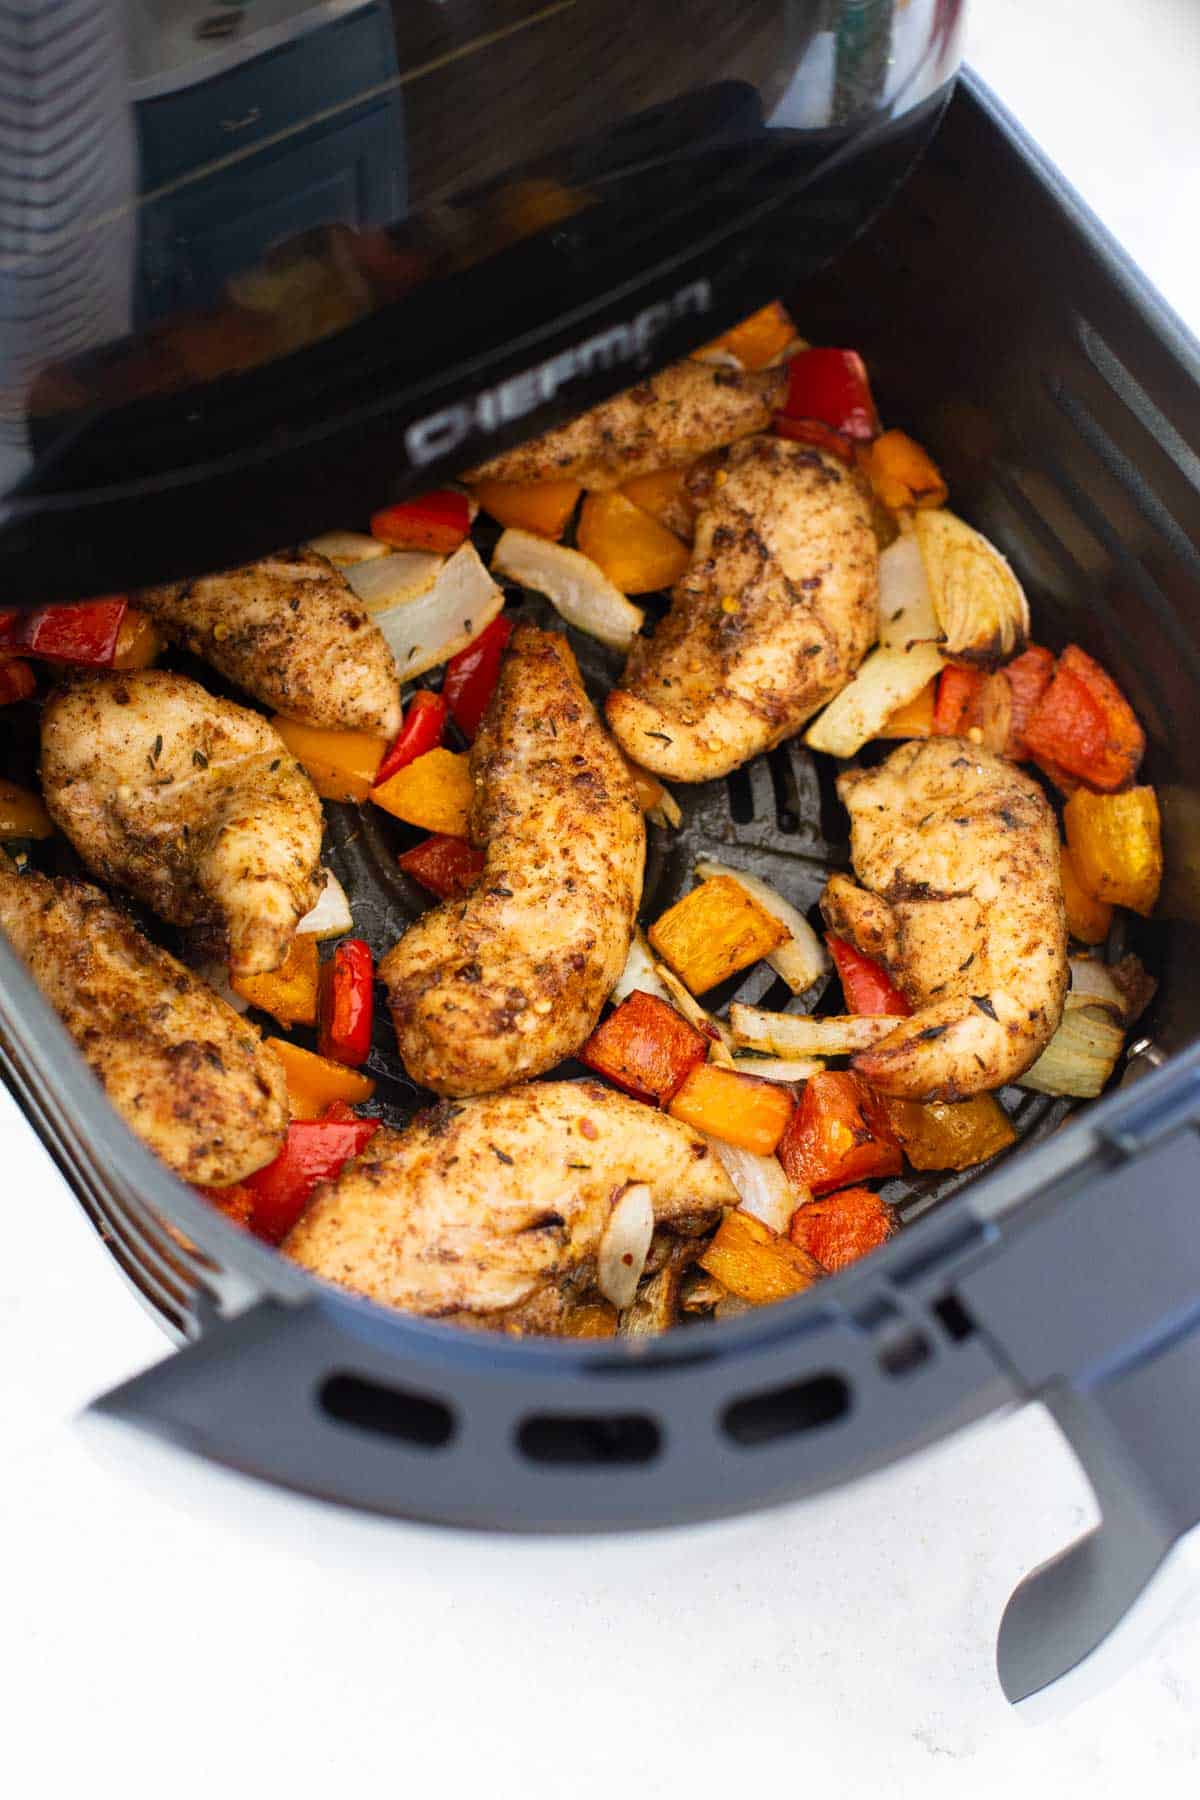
1009, 335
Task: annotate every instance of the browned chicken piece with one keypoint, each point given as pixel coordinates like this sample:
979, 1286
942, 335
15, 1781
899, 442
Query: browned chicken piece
491, 1212
506, 983
664, 423
772, 619
193, 804
291, 631
962, 902
193, 1080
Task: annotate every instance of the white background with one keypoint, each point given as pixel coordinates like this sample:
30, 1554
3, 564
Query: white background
165, 1628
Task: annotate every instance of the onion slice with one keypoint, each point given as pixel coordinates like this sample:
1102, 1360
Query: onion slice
345, 549
395, 579
331, 916
889, 678
639, 972
980, 604
435, 626
791, 1034
686, 1003
1080, 1057
1092, 984
216, 976
625, 1245
779, 1068
763, 1189
574, 585
906, 611
803, 958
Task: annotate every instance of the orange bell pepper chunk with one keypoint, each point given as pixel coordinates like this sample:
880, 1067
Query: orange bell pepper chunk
901, 473
540, 506
434, 792
955, 690
22, 814
664, 495
288, 993
646, 1048
915, 718
1116, 846
757, 339
1088, 919
139, 641
755, 1263
1083, 723
943, 1134
340, 764
838, 1135
314, 1083
739, 1109
636, 553
714, 932
843, 1227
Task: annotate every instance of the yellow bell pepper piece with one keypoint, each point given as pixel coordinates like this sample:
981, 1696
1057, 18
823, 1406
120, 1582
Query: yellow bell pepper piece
713, 932
435, 792
664, 495
1088, 920
941, 1134
755, 1263
757, 339
314, 1082
901, 473
340, 764
1115, 842
22, 814
288, 993
636, 553
540, 506
139, 641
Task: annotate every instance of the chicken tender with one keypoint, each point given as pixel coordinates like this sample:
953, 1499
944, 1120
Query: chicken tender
492, 1211
193, 1080
289, 630
506, 983
959, 852
191, 803
772, 619
664, 423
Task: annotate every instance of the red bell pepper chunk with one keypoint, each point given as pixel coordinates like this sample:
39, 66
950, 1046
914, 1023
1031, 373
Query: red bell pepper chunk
866, 984
839, 1134
811, 431
438, 521
831, 386
1028, 678
842, 1227
1083, 724
471, 676
645, 1048
955, 691
424, 723
84, 632
346, 1004
17, 680
447, 866
314, 1150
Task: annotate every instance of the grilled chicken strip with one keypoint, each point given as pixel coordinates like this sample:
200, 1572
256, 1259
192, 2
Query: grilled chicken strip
479, 1211
959, 853
511, 980
663, 423
291, 631
193, 1080
193, 804
773, 617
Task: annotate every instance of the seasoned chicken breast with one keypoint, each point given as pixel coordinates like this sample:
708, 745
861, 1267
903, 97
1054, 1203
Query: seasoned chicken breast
962, 901
663, 423
487, 1211
193, 804
506, 983
195, 1082
291, 631
772, 619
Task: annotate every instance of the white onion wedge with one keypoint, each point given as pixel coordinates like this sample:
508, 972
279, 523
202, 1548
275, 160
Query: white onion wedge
216, 976
1092, 984
889, 678
906, 610
689, 1007
346, 549
719, 357
666, 813
796, 1034
438, 624
979, 602
330, 917
572, 583
395, 579
640, 971
763, 1189
803, 958
625, 1245
779, 1068
1080, 1057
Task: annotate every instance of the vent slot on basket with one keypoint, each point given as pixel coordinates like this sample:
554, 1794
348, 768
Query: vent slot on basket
784, 1412
599, 1440
388, 1411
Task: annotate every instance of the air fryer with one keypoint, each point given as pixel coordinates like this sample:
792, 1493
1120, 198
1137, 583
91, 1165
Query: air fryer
1063, 404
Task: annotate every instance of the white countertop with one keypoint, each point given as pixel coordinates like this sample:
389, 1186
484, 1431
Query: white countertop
179, 1629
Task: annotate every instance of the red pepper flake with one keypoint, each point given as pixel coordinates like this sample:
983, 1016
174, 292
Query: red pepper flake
588, 1130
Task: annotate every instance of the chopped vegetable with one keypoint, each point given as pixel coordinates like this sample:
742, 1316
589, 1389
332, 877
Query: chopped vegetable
1084, 724
347, 1004
1088, 919
941, 1134
438, 521
831, 386
779, 1068
740, 1109
236, 1202
713, 932
906, 614
434, 792
639, 972
704, 1022
1115, 842
341, 765
471, 676
763, 1189
636, 553
590, 1319
756, 1263
22, 814
867, 986
812, 431
956, 689
448, 866
83, 631
288, 993
757, 339
798, 1034
988, 718
649, 791
843, 1227
540, 506
915, 718
1094, 983
901, 473
573, 584
315, 1150
838, 1135
1080, 1057
315, 1083
394, 580
645, 1048
624, 1245
346, 549
664, 495
1028, 677
330, 917
17, 680
800, 960
421, 731
980, 604
139, 641
887, 679
435, 626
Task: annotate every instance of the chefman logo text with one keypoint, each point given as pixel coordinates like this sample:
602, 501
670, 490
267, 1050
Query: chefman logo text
443, 432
